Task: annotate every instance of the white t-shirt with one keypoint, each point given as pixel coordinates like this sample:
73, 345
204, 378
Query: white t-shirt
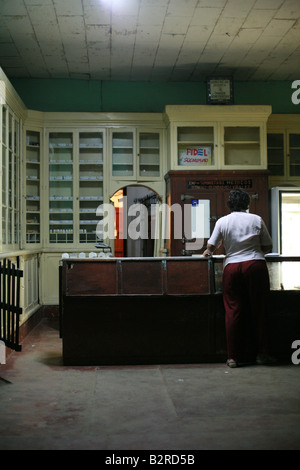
242, 234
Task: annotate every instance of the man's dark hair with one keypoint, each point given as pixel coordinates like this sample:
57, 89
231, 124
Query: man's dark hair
239, 200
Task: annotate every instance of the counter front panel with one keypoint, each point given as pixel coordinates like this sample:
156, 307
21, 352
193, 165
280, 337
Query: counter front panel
136, 276
119, 311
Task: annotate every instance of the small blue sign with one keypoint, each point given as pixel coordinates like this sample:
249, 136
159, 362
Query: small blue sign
195, 202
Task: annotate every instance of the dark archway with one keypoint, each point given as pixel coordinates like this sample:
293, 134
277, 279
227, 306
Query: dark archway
123, 199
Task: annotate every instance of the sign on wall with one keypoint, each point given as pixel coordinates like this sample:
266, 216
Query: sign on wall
195, 156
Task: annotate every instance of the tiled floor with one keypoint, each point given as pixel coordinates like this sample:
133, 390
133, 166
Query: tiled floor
44, 405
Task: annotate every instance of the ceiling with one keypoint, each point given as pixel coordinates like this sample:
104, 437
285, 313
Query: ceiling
151, 40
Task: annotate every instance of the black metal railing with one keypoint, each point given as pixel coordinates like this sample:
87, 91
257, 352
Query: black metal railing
10, 310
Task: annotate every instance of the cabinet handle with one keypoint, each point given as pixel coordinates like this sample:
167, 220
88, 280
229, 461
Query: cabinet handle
188, 240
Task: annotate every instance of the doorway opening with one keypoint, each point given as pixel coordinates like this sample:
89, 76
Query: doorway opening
128, 202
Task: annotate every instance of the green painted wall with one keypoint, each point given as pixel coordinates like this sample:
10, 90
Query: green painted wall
118, 96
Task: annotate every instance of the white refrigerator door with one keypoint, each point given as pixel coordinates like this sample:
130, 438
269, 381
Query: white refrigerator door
285, 220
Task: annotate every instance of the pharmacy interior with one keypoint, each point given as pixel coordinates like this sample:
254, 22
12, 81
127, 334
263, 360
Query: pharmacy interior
166, 177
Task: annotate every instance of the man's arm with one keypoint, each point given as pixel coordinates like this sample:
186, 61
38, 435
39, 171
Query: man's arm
209, 250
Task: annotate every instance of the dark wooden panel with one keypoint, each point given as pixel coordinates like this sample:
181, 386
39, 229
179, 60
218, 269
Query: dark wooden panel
90, 278
141, 277
118, 330
188, 325
284, 322
215, 185
187, 277
137, 330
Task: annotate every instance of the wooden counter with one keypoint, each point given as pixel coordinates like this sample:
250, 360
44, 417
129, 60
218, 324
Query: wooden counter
136, 276
119, 311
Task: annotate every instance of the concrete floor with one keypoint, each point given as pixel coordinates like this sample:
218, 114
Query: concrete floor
44, 405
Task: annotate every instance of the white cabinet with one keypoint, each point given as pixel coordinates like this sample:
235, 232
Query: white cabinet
293, 139
76, 179
217, 137
242, 146
196, 145
149, 154
283, 142
136, 154
10, 178
33, 175
91, 182
123, 143
276, 153
61, 187
69, 172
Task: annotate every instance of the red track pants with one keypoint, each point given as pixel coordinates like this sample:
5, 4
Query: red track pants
246, 287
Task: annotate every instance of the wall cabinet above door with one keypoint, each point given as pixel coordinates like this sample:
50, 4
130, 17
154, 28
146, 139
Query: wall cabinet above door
72, 166
284, 150
135, 154
217, 137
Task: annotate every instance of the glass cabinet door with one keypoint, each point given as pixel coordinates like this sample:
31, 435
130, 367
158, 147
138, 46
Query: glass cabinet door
275, 143
10, 150
149, 155
33, 194
90, 184
294, 153
195, 146
10, 162
4, 181
61, 223
123, 153
242, 146
16, 182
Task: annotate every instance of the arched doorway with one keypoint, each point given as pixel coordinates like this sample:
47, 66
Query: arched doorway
135, 221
